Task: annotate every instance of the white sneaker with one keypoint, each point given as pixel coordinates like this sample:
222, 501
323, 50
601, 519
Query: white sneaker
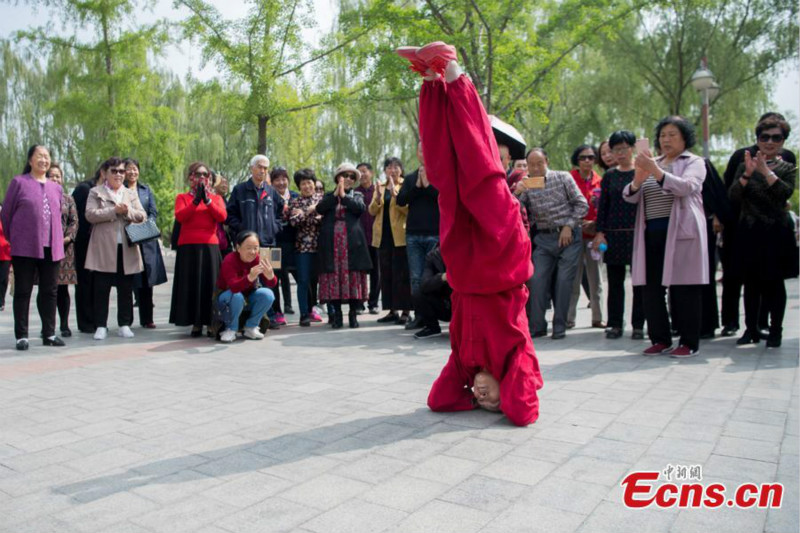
253, 333
125, 332
100, 334
228, 335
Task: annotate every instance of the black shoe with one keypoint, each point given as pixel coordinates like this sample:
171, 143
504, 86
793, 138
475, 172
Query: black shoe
263, 325
637, 335
338, 320
359, 311
749, 337
708, 335
415, 324
559, 335
22, 344
197, 332
391, 317
614, 333
288, 310
66, 332
539, 334
402, 320
774, 340
426, 332
352, 319
729, 331
373, 310
305, 321
55, 341
272, 325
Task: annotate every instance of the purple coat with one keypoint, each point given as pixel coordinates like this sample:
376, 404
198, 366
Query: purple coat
686, 257
22, 215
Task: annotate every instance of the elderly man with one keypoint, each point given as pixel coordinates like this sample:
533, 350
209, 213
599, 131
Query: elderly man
254, 205
557, 207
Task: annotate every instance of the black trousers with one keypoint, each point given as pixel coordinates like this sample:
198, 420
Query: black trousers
686, 299
616, 299
762, 298
374, 277
103, 281
710, 317
395, 282
5, 266
732, 283
63, 303
145, 297
84, 290
431, 308
24, 269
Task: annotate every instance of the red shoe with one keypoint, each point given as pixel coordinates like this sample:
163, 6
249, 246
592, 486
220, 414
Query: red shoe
437, 55
683, 352
410, 53
657, 349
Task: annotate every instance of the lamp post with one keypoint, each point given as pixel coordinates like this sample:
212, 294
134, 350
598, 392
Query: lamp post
703, 82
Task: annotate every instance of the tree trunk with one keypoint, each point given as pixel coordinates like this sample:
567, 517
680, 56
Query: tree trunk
262, 134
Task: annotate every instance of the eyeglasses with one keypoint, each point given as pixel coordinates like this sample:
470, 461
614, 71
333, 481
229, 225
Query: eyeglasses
120, 171
586, 158
620, 151
200, 174
766, 137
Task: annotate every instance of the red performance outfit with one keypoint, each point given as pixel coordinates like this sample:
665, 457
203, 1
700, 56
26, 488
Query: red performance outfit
487, 253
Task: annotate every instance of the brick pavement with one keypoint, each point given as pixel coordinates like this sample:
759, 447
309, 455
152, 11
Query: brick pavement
315, 430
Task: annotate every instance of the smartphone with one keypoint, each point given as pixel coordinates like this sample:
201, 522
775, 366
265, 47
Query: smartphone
273, 255
642, 145
536, 182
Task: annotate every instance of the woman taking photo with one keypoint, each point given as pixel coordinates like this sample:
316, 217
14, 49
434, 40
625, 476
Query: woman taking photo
669, 247
109, 209
154, 272
344, 256
304, 218
198, 258
389, 235
765, 247
616, 219
66, 271
245, 279
31, 219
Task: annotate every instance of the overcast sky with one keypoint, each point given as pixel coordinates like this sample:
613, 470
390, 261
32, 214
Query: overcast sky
182, 58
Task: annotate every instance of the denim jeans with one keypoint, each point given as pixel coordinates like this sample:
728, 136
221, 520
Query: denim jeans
305, 268
260, 300
417, 247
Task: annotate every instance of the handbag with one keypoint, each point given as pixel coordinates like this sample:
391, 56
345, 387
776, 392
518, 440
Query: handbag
142, 232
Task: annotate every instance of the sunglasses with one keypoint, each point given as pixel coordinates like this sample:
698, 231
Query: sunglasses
120, 171
349, 175
766, 137
201, 174
586, 158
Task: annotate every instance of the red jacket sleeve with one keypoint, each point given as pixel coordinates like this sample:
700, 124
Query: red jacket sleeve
217, 208
184, 207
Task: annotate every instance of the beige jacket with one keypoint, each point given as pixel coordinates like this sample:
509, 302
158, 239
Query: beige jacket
106, 225
397, 218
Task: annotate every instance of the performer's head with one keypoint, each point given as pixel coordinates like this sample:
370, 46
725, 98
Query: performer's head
487, 391
537, 162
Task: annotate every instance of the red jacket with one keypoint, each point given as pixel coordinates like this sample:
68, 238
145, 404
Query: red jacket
199, 222
591, 191
233, 275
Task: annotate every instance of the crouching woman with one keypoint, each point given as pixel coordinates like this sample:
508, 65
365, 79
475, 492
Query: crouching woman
245, 279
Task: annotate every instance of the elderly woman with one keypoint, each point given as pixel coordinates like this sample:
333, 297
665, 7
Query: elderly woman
588, 181
285, 239
31, 219
669, 246
154, 272
765, 246
389, 235
110, 208
66, 271
344, 256
198, 259
245, 278
306, 221
616, 220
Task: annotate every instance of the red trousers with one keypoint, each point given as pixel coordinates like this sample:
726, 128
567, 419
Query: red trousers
487, 253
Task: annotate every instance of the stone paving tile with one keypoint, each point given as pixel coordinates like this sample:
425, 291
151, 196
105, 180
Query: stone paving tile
449, 517
518, 469
526, 518
614, 517
485, 493
355, 516
571, 495
185, 515
404, 493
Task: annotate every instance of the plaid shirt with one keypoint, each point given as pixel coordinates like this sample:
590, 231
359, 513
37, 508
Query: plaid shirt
559, 204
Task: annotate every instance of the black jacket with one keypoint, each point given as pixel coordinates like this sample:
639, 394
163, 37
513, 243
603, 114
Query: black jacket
432, 282
738, 158
357, 252
259, 211
423, 206
715, 196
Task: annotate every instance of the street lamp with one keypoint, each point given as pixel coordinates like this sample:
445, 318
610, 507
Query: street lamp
703, 82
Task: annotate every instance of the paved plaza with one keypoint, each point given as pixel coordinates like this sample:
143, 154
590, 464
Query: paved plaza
314, 430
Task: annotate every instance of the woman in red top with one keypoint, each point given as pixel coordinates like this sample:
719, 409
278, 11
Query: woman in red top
198, 257
245, 279
5, 265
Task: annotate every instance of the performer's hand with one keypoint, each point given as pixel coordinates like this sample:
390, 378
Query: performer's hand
565, 237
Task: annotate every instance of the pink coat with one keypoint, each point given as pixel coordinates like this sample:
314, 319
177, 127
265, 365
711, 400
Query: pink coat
686, 257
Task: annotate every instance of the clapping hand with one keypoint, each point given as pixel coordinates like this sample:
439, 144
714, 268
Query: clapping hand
121, 209
340, 189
